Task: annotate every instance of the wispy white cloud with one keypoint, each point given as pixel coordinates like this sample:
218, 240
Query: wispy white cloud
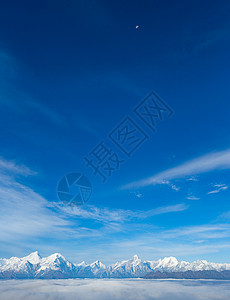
206, 163
192, 197
225, 216
182, 241
106, 215
206, 231
13, 167
163, 210
153, 248
24, 213
169, 184
175, 188
95, 213
219, 185
218, 188
192, 179
137, 194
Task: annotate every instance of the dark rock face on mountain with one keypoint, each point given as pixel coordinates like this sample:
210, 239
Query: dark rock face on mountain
211, 274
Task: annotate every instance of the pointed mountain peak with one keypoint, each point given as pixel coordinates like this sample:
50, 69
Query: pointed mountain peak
97, 264
55, 256
135, 257
83, 264
33, 257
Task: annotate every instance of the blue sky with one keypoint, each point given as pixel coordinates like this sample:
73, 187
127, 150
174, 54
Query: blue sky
71, 71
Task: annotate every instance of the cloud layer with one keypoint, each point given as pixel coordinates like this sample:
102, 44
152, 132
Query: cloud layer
138, 289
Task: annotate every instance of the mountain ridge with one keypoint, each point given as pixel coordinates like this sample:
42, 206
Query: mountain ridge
57, 266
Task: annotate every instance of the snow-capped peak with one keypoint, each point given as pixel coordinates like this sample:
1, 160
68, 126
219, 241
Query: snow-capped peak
97, 264
169, 261
55, 256
82, 264
33, 258
135, 257
56, 266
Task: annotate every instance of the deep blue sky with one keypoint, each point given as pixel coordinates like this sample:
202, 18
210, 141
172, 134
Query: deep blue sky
70, 72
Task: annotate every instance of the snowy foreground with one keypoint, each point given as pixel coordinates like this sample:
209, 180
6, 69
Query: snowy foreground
104, 289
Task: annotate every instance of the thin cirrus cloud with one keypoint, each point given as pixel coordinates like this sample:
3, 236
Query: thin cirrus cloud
212, 161
26, 214
191, 197
13, 167
206, 231
106, 215
218, 188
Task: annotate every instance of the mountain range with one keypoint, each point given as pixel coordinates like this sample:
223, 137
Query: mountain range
56, 266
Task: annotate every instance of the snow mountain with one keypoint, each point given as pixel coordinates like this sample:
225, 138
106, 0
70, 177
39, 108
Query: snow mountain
56, 266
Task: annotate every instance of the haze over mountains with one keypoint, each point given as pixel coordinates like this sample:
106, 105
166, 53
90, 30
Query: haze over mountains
56, 266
